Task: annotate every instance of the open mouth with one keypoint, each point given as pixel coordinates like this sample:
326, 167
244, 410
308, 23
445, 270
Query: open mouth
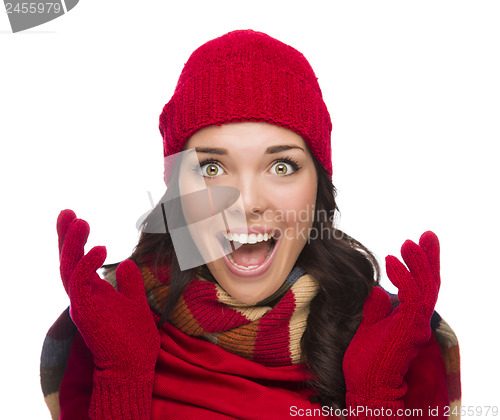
252, 252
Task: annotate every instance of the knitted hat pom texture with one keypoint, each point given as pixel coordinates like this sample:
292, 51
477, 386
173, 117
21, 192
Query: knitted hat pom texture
248, 76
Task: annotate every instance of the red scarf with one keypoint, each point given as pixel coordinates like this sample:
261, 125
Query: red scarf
196, 379
268, 333
247, 363
253, 370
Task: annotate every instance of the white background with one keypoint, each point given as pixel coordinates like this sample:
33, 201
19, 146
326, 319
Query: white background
413, 89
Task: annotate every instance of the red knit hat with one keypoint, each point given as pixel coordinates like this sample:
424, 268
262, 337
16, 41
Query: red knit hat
248, 76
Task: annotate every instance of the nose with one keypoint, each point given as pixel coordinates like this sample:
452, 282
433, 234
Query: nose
255, 197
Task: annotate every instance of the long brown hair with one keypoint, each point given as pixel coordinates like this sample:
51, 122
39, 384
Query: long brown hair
345, 270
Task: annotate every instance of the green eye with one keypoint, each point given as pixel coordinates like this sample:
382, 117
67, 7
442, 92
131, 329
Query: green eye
211, 170
282, 168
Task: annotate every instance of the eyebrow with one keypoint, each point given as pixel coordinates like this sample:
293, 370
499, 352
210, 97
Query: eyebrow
282, 148
269, 150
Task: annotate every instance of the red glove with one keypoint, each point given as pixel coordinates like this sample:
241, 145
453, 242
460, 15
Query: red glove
72, 235
380, 353
117, 326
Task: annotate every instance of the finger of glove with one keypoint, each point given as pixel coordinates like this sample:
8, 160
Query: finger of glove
398, 274
377, 307
79, 287
63, 222
418, 264
429, 242
130, 282
73, 248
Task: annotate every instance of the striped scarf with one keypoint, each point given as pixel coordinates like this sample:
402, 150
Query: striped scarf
268, 332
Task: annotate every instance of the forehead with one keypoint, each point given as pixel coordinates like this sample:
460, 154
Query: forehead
247, 134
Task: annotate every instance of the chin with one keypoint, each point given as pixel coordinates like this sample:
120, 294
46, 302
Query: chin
253, 289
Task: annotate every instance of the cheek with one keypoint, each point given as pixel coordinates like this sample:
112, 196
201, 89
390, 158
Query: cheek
298, 205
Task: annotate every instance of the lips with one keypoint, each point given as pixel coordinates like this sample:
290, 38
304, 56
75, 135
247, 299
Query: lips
253, 250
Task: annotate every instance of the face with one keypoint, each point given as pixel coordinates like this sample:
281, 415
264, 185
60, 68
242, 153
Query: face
274, 172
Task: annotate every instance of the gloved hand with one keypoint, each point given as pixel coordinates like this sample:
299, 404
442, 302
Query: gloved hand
380, 353
117, 325
72, 236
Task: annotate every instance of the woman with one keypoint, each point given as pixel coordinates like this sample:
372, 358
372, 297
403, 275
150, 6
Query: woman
274, 312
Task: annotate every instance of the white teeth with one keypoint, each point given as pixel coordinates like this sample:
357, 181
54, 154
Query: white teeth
243, 238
